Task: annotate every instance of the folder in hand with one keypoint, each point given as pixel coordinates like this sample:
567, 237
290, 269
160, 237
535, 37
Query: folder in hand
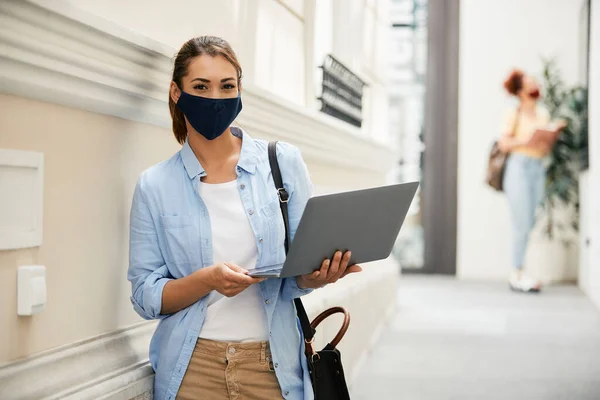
547, 134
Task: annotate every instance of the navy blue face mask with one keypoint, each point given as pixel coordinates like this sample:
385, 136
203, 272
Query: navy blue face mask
209, 117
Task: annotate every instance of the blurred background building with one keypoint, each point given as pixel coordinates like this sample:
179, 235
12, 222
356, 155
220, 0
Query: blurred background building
84, 111
372, 91
408, 63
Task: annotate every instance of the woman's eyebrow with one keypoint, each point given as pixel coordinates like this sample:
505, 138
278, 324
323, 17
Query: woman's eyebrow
208, 80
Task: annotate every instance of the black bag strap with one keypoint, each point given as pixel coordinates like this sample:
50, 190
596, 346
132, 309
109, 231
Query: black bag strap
284, 197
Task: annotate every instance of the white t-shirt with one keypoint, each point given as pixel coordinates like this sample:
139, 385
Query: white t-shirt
241, 318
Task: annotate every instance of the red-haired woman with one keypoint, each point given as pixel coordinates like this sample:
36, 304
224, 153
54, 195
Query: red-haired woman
525, 175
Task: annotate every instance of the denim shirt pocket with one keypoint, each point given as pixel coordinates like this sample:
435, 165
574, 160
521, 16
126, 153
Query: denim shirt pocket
182, 239
274, 231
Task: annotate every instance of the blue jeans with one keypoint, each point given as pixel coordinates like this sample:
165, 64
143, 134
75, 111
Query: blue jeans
524, 185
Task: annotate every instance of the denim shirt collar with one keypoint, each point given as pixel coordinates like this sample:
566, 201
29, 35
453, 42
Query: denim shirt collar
248, 156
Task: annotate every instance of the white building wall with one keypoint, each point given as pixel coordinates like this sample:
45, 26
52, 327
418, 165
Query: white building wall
95, 75
271, 39
593, 284
267, 35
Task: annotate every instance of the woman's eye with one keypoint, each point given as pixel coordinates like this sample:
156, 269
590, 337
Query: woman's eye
200, 87
228, 86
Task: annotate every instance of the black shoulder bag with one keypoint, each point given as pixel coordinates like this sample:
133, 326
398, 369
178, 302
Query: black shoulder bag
325, 366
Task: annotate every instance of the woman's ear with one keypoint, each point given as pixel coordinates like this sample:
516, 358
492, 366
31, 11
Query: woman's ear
174, 92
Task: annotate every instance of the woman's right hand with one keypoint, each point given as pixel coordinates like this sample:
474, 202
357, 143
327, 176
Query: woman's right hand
230, 279
503, 145
508, 143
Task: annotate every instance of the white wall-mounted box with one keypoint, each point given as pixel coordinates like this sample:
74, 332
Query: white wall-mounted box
31, 290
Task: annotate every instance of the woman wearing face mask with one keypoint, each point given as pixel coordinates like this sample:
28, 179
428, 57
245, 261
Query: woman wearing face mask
199, 222
525, 175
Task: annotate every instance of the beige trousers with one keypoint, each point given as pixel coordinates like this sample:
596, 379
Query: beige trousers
230, 371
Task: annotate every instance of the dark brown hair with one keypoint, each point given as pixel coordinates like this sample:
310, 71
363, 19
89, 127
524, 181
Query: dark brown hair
209, 45
514, 82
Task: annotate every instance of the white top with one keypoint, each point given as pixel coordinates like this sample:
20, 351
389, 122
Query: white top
241, 318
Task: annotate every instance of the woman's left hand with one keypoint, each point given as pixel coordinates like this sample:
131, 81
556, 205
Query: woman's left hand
330, 272
560, 125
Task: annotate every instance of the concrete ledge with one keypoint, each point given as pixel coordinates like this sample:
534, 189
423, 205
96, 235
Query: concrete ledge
115, 366
84, 370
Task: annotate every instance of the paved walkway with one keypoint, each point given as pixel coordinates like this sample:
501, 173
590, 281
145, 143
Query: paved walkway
464, 340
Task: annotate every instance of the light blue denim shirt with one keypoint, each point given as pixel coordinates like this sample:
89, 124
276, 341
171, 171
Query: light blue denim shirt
170, 237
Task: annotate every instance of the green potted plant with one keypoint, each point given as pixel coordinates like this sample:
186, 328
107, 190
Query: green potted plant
569, 156
553, 256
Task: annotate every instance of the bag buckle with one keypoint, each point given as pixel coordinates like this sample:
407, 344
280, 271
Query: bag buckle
283, 195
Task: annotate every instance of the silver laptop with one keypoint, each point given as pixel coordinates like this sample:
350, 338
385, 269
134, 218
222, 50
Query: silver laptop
366, 222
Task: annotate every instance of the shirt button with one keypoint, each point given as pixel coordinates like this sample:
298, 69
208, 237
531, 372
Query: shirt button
276, 365
242, 186
231, 350
287, 392
260, 240
250, 212
267, 301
